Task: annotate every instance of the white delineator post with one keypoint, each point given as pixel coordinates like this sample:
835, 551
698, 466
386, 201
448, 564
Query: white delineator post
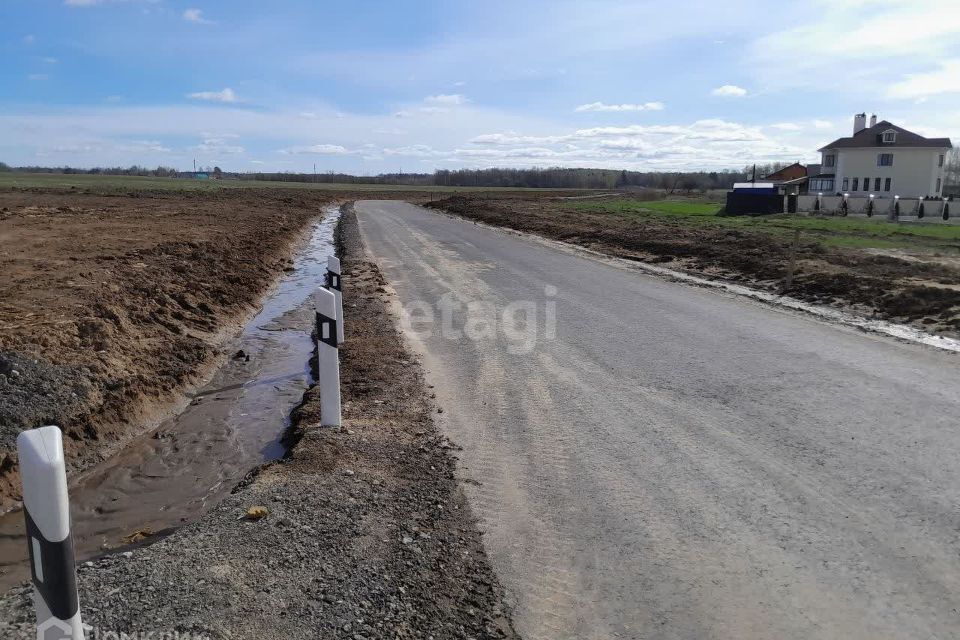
46, 508
328, 357
335, 284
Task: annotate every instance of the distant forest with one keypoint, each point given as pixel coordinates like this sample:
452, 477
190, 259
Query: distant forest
552, 178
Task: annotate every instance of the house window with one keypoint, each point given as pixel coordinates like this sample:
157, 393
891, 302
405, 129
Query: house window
821, 184
831, 161
889, 137
846, 183
876, 184
866, 184
885, 160
886, 184
856, 184
941, 160
938, 186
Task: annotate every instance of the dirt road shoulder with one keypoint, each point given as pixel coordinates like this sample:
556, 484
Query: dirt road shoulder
367, 533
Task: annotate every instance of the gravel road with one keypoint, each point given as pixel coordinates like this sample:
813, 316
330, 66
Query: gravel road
678, 462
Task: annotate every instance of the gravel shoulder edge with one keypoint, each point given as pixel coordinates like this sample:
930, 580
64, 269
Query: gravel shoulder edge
367, 533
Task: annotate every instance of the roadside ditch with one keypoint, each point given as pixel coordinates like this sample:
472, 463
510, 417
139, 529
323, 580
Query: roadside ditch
165, 477
366, 532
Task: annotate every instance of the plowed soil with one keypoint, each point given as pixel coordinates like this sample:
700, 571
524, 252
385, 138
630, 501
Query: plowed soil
363, 531
110, 305
922, 290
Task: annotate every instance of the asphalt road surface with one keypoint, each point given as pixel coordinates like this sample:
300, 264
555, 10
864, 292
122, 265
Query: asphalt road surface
666, 461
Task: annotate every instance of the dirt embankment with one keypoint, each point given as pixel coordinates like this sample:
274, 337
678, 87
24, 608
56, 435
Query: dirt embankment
366, 534
925, 294
110, 305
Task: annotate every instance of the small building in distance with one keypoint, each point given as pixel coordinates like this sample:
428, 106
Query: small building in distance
794, 171
194, 175
791, 180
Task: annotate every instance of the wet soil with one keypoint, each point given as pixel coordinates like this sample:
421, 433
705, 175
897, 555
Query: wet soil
112, 306
924, 294
367, 534
167, 477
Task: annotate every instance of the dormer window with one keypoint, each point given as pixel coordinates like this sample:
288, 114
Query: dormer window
889, 136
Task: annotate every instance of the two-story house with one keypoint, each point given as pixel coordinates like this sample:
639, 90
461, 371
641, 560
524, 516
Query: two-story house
883, 160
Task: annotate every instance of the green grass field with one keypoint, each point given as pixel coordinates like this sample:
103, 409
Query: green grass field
101, 183
829, 231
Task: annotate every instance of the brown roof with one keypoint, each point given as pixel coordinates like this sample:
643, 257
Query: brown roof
790, 172
873, 137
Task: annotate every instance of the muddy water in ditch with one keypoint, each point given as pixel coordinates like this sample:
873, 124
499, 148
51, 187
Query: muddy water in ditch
170, 476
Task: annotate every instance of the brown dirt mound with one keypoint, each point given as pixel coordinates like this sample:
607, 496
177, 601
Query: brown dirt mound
897, 289
109, 305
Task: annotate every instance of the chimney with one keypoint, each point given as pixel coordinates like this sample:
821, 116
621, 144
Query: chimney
873, 120
859, 123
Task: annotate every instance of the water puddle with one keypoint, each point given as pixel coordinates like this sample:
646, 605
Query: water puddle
171, 476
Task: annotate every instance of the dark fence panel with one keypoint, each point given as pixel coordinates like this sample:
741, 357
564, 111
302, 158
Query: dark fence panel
739, 203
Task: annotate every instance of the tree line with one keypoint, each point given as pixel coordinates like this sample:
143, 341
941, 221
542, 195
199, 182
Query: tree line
551, 178
135, 170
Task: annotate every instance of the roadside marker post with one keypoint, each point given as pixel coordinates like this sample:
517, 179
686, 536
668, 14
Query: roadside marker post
335, 284
328, 357
46, 509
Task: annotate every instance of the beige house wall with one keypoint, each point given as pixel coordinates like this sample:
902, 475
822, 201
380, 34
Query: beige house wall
914, 172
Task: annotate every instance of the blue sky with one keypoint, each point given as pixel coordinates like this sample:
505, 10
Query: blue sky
366, 86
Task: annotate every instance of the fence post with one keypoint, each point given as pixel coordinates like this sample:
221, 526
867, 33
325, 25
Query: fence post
792, 263
328, 357
335, 284
46, 509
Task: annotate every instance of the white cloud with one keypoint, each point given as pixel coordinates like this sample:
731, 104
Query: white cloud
38, 76
414, 150
822, 124
29, 39
786, 126
50, 60
946, 79
150, 145
219, 145
600, 106
195, 16
854, 29
729, 91
452, 99
318, 149
469, 136
433, 105
870, 40
510, 138
226, 95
